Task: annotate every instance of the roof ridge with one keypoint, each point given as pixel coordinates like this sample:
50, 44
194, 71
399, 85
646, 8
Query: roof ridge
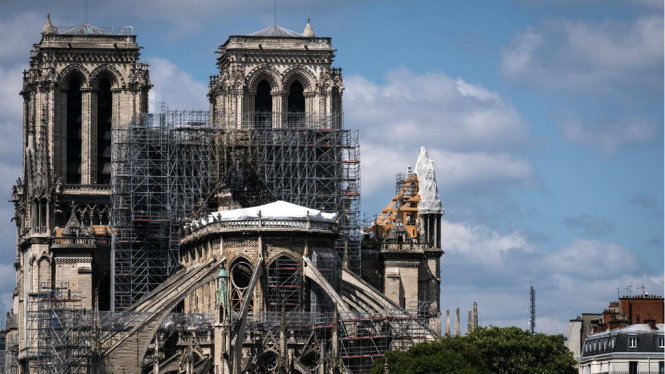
277, 31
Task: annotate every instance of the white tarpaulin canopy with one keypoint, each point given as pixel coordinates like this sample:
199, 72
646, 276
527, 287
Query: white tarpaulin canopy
277, 210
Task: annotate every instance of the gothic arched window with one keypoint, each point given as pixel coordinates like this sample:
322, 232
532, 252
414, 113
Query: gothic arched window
104, 120
296, 105
241, 274
263, 105
73, 148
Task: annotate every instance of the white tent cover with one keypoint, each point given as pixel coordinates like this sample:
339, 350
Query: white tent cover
278, 210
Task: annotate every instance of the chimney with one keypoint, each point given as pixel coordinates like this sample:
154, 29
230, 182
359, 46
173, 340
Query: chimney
651, 322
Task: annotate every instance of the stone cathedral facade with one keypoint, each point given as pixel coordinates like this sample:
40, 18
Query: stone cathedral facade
258, 289
79, 83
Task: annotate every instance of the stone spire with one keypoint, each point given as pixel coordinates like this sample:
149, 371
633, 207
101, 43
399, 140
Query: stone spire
457, 327
448, 322
475, 314
308, 30
48, 27
469, 322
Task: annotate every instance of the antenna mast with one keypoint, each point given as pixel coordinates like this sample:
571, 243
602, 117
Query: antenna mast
532, 320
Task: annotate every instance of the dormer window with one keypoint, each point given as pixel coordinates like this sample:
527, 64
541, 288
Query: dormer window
661, 342
632, 341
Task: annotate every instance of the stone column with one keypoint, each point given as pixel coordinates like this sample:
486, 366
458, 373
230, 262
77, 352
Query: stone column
51, 121
447, 322
309, 105
87, 134
279, 100
475, 314
92, 140
237, 106
469, 322
250, 113
457, 327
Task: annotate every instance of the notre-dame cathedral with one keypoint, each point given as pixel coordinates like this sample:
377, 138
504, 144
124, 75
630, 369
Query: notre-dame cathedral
224, 241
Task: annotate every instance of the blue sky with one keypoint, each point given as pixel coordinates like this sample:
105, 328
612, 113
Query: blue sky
544, 117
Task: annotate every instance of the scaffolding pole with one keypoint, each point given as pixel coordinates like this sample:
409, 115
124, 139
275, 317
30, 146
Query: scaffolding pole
60, 332
167, 167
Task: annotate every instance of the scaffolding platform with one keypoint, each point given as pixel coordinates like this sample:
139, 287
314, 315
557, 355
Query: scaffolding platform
167, 168
60, 333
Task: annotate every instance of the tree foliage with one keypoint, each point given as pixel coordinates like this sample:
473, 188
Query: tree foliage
507, 350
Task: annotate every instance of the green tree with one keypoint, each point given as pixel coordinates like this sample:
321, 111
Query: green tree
443, 356
508, 350
511, 350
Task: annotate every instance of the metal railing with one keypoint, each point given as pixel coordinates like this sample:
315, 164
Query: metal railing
87, 29
260, 223
246, 120
91, 241
401, 247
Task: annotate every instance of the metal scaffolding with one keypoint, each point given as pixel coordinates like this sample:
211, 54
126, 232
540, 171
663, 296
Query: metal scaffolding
366, 337
160, 170
60, 332
172, 165
313, 167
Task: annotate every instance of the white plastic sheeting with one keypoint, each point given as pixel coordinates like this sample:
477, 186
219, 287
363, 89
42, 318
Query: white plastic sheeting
278, 210
638, 328
430, 202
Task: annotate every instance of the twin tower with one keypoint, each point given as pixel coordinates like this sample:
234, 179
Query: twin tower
85, 80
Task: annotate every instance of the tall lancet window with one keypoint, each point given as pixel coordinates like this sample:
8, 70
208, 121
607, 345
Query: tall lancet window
104, 120
73, 175
296, 105
263, 105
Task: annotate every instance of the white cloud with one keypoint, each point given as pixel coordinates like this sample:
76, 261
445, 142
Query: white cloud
467, 128
7, 284
17, 34
10, 100
434, 109
454, 170
581, 57
592, 259
175, 87
11, 112
608, 136
495, 269
182, 17
480, 243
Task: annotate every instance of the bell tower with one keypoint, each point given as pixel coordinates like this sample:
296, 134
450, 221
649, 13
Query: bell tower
277, 78
81, 82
